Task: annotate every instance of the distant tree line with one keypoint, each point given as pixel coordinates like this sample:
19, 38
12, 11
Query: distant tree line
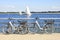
35, 12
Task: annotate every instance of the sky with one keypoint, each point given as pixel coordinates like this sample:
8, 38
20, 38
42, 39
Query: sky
34, 5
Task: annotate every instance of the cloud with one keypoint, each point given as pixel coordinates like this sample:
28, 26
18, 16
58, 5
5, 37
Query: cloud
55, 7
11, 6
48, 8
18, 8
8, 8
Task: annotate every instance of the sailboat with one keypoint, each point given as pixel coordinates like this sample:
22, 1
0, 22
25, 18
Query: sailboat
20, 12
28, 12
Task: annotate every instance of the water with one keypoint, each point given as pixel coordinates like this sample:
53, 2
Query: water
41, 15
34, 15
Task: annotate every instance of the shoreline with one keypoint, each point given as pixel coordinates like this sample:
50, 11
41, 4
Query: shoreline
53, 36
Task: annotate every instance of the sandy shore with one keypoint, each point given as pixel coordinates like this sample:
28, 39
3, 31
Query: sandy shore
54, 36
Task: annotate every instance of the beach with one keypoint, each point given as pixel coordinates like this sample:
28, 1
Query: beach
53, 36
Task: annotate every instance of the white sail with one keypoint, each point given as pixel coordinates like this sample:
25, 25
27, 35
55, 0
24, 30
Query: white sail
28, 11
20, 12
